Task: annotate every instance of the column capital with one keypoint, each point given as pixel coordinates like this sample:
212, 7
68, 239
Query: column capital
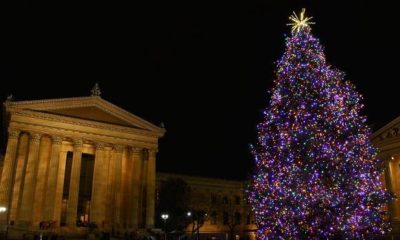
99, 145
13, 133
119, 148
78, 143
137, 150
57, 140
152, 151
35, 137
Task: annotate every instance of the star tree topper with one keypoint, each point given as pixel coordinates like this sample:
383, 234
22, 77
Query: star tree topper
299, 22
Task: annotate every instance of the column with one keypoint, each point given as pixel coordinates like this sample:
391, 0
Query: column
72, 207
52, 179
388, 184
110, 169
137, 154
118, 185
143, 190
41, 183
392, 176
151, 188
7, 173
124, 190
97, 205
58, 200
129, 191
19, 175
24, 215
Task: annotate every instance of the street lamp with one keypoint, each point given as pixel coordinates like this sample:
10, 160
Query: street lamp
165, 217
3, 210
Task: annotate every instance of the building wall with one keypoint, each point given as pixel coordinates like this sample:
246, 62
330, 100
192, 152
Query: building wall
217, 198
387, 140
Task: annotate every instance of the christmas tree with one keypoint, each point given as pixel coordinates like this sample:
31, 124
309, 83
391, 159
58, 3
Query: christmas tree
317, 175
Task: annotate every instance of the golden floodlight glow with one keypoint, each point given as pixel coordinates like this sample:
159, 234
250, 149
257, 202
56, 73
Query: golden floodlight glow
299, 23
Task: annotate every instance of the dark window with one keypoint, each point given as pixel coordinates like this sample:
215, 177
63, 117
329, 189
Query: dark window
225, 200
67, 175
248, 218
237, 218
214, 217
225, 218
213, 198
67, 179
85, 188
237, 200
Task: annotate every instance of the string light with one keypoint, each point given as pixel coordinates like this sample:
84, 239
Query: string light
317, 174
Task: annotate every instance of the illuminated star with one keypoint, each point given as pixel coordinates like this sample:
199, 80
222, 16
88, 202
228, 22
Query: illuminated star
299, 23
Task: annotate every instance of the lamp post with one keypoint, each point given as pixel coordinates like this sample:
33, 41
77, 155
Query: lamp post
165, 217
3, 210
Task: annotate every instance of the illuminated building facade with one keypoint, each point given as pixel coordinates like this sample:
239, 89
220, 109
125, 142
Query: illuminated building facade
224, 202
75, 161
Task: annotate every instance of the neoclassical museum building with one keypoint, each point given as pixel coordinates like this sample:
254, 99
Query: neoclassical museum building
76, 160
387, 140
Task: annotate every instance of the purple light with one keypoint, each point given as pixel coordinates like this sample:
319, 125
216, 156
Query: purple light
316, 170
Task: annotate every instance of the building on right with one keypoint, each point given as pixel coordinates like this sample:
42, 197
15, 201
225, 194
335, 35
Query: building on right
387, 140
228, 214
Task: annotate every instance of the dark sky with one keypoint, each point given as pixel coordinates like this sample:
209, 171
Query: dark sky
201, 67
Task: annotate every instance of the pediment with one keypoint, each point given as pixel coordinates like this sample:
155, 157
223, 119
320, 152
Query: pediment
87, 108
91, 113
390, 131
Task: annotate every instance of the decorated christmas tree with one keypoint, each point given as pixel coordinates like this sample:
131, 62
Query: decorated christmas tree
317, 175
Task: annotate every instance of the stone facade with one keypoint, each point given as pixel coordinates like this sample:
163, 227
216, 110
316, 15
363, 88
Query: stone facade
225, 204
387, 140
77, 160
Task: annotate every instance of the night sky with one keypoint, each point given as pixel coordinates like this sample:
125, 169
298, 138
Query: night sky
203, 68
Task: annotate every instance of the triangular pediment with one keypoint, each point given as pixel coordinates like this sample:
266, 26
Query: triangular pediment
91, 113
87, 108
390, 131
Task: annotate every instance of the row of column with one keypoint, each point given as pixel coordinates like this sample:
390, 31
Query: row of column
132, 188
392, 176
38, 185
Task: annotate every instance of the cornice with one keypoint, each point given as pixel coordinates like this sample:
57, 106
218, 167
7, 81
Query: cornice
386, 127
42, 102
389, 135
73, 134
204, 181
82, 122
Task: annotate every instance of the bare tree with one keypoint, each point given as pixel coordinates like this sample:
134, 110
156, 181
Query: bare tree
173, 199
231, 216
197, 219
